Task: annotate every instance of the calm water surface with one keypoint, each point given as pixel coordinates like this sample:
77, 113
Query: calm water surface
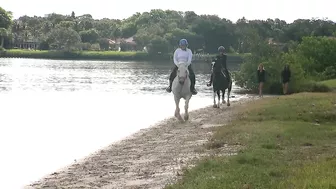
56, 111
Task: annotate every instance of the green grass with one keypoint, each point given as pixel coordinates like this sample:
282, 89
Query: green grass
330, 83
288, 142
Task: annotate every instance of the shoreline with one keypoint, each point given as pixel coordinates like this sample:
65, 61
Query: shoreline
100, 55
142, 159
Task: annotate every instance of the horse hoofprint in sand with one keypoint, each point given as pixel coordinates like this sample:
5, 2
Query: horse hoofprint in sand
181, 89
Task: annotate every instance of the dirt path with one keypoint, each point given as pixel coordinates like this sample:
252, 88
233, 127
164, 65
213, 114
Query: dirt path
149, 159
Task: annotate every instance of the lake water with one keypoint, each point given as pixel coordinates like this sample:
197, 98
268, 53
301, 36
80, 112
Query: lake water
56, 111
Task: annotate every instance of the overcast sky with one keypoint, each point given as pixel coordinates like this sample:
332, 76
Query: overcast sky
288, 10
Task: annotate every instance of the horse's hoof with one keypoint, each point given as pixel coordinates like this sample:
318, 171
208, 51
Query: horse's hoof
215, 106
186, 117
228, 104
223, 102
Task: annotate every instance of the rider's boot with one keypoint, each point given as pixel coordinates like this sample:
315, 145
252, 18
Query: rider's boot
192, 86
171, 79
169, 88
192, 80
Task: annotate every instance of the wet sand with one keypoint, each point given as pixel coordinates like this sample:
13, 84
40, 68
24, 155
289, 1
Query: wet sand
151, 158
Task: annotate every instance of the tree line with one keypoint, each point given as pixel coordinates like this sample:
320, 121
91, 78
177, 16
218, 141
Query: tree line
157, 30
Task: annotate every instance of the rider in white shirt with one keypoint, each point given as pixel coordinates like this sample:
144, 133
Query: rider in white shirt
183, 55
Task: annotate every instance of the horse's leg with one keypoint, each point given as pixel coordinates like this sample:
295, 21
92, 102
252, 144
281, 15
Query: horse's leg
214, 99
218, 96
223, 95
228, 94
186, 107
177, 109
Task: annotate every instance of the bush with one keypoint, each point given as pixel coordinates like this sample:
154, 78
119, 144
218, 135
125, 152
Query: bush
86, 46
95, 47
309, 61
273, 62
331, 83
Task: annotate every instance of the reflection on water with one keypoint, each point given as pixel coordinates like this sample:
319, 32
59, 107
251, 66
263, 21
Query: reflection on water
53, 112
19, 75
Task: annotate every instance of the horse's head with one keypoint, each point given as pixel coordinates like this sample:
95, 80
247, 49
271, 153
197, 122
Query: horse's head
182, 73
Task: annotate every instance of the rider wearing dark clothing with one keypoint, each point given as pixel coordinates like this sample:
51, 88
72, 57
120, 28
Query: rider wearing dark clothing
221, 58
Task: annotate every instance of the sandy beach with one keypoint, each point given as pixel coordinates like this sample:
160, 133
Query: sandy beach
151, 158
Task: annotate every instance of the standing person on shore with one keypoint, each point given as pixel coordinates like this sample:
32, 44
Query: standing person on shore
261, 75
183, 55
285, 76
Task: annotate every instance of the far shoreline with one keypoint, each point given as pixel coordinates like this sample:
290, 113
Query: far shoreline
102, 55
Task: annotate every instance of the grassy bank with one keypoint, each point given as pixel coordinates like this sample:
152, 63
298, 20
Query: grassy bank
96, 55
288, 142
330, 83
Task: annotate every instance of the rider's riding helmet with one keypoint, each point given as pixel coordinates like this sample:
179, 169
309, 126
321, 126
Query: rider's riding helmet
183, 42
221, 49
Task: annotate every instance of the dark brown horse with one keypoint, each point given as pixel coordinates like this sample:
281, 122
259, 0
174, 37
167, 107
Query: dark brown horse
221, 82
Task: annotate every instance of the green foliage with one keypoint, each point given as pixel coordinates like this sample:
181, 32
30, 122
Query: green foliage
5, 18
64, 38
330, 83
104, 44
89, 36
320, 51
205, 33
311, 60
158, 45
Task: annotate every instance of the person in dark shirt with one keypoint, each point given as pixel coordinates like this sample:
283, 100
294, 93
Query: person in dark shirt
285, 76
261, 75
221, 58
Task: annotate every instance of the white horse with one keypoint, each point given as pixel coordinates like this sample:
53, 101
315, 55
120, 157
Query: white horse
181, 89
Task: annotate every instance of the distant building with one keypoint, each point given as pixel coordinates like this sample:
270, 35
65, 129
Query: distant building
29, 44
128, 43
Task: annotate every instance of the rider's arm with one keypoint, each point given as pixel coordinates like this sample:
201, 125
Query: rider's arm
224, 63
175, 57
189, 56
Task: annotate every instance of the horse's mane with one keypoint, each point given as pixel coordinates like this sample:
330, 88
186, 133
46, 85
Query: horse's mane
185, 64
